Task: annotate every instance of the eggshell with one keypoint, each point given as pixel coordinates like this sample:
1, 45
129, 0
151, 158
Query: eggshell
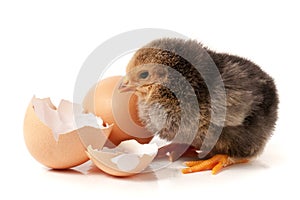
61, 150
116, 108
128, 158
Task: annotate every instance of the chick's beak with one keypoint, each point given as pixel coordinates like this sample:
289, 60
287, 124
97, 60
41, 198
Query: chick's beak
125, 85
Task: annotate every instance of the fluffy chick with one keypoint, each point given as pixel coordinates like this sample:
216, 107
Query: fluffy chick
251, 99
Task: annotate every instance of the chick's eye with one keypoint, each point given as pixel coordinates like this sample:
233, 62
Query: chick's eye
144, 75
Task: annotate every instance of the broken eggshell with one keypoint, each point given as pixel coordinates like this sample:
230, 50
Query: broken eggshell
128, 158
57, 137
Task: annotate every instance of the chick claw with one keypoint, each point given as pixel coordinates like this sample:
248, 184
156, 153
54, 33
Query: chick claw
215, 164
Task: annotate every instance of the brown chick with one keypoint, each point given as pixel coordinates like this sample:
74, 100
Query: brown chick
251, 100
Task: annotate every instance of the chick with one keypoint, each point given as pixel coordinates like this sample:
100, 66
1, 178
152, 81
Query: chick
251, 100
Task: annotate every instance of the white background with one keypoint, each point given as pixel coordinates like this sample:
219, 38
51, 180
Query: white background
42, 48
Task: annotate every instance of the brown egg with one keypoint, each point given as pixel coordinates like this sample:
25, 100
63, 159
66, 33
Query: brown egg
116, 108
65, 149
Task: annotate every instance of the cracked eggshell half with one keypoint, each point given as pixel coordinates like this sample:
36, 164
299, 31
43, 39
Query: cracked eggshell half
55, 140
128, 158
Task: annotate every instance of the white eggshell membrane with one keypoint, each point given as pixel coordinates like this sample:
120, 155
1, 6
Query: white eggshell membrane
128, 158
66, 118
126, 162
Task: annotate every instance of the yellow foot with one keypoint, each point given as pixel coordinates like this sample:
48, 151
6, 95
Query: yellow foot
215, 164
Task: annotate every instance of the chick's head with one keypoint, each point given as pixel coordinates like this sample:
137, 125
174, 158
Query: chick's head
143, 78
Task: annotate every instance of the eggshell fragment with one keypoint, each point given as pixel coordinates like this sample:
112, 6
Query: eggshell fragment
54, 139
128, 158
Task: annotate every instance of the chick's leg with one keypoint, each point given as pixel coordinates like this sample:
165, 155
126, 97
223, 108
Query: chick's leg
175, 150
215, 164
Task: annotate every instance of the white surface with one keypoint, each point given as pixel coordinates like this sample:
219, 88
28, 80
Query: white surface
43, 45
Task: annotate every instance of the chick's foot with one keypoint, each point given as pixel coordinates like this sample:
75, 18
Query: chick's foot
215, 164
